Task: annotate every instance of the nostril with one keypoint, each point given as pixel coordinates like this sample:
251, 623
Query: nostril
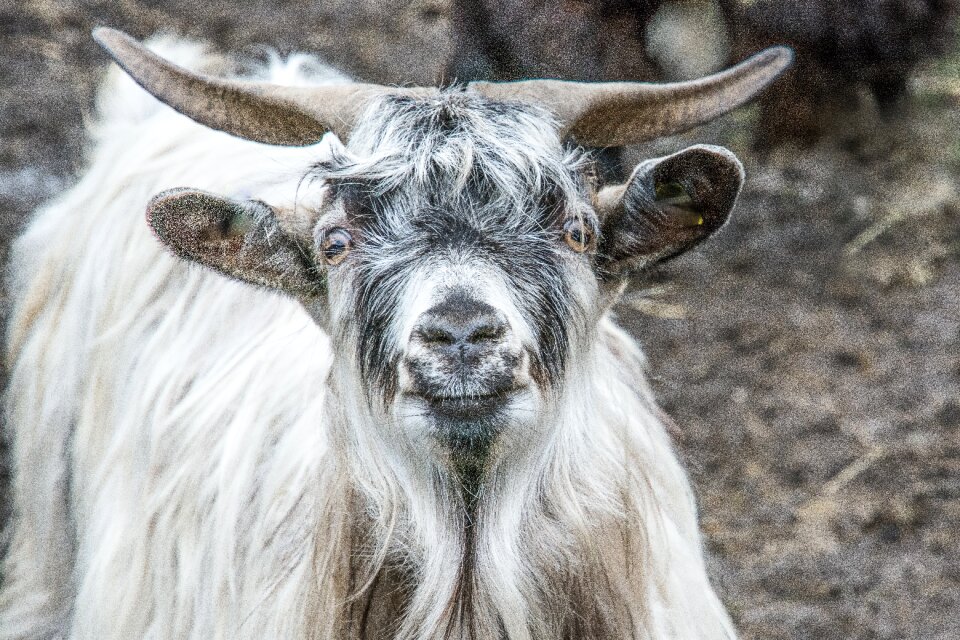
487, 333
436, 336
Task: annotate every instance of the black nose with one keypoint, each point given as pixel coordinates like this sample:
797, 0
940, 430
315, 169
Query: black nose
461, 327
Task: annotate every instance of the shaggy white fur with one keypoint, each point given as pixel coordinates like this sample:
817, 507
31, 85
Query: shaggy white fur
180, 470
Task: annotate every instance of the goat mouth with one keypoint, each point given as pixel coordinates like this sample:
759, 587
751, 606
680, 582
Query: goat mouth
467, 408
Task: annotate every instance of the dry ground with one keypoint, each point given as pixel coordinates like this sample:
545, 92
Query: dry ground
810, 356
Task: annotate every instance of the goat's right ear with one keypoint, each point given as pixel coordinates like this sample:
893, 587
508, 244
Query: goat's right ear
241, 239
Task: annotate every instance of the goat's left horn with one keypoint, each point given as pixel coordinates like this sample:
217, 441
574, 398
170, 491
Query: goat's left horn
262, 112
609, 114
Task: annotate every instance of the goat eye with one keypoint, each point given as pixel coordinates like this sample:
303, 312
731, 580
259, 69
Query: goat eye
335, 246
578, 235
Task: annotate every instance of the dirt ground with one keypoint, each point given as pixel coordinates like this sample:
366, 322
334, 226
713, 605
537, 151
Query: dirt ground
810, 356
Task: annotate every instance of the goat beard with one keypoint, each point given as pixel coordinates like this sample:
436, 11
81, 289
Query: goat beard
463, 450
456, 493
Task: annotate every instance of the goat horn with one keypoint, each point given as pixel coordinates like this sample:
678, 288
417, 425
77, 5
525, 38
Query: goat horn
609, 114
269, 113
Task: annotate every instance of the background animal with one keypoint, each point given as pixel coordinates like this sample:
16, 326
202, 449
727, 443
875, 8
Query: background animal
813, 384
844, 49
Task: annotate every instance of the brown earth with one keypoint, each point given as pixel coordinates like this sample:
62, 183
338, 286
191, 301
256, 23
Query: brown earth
810, 355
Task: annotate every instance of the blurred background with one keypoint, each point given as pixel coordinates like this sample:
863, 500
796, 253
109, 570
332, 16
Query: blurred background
809, 356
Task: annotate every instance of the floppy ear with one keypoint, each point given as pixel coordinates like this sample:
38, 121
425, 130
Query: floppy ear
667, 206
241, 239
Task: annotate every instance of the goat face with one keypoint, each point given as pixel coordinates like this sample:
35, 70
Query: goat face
459, 298
458, 255
455, 249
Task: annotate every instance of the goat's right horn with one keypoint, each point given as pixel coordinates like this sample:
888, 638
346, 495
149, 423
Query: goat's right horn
269, 113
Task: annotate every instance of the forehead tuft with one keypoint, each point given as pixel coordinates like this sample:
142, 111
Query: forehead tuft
450, 117
458, 143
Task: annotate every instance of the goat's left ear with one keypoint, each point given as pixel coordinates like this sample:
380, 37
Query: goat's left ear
667, 206
241, 239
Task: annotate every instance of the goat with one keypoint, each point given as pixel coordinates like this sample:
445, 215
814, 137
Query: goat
841, 46
608, 40
406, 412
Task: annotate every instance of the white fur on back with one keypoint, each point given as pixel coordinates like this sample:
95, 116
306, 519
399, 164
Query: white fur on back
187, 406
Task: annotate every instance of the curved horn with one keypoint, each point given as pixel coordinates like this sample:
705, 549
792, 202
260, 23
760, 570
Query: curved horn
609, 114
262, 112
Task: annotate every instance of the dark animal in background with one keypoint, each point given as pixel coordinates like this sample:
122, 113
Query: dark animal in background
841, 47
510, 40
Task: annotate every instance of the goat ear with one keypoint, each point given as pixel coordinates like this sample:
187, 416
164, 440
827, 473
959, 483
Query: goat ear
667, 206
241, 239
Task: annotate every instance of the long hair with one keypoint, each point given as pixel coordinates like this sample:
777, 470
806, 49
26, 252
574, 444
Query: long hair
184, 468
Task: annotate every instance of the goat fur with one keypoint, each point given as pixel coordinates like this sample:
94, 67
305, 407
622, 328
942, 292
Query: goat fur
178, 473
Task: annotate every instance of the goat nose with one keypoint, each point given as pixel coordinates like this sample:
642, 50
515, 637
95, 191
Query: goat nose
462, 329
